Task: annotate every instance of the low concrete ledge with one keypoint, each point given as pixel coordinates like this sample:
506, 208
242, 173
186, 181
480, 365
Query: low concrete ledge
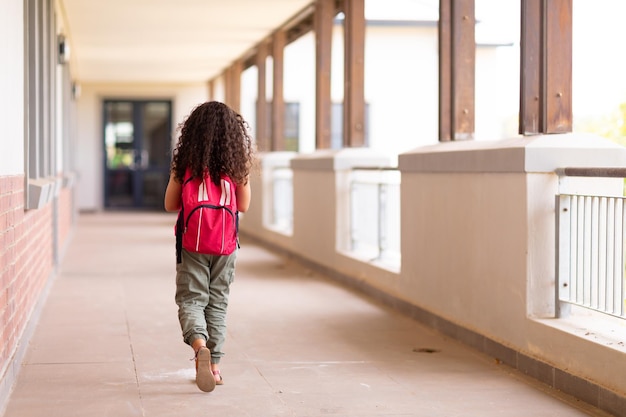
69, 179
277, 159
40, 192
342, 159
542, 153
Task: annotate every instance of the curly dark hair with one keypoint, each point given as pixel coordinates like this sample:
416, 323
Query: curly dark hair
213, 138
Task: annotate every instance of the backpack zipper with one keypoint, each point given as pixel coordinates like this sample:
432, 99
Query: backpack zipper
211, 206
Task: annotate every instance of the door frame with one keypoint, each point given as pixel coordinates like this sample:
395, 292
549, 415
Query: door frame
137, 195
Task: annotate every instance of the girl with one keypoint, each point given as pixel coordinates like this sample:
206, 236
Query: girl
213, 140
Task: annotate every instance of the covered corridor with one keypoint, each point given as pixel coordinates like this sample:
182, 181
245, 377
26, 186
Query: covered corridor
409, 149
107, 343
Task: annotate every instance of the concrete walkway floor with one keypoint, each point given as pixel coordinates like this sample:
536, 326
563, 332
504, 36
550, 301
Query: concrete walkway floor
108, 343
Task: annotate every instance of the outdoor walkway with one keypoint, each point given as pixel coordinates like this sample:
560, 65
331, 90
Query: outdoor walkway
108, 344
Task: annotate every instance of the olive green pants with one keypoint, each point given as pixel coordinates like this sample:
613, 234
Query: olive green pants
202, 288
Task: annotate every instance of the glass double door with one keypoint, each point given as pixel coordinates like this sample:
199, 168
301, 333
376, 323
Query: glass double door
137, 138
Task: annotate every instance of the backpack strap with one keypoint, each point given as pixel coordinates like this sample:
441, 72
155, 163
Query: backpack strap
180, 225
237, 228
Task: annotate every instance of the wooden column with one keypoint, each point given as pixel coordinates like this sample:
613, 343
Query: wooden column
235, 85
232, 85
546, 67
354, 62
278, 101
323, 24
262, 137
457, 60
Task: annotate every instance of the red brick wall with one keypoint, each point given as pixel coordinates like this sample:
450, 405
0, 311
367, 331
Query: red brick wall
25, 262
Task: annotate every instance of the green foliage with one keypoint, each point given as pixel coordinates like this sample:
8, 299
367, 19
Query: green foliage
611, 126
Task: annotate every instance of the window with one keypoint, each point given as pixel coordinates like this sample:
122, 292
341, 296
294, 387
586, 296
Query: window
292, 126
41, 56
291, 132
336, 126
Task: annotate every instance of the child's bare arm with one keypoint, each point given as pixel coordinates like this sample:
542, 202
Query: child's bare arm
244, 195
172, 194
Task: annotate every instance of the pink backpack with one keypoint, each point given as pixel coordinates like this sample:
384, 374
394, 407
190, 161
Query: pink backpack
208, 219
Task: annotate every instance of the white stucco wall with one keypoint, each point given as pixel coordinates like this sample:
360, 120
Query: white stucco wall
12, 87
466, 234
249, 88
299, 86
401, 87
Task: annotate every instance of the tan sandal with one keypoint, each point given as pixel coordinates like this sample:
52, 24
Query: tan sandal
219, 380
204, 378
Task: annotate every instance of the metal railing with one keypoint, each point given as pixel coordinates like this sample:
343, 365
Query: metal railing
282, 200
591, 232
375, 214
